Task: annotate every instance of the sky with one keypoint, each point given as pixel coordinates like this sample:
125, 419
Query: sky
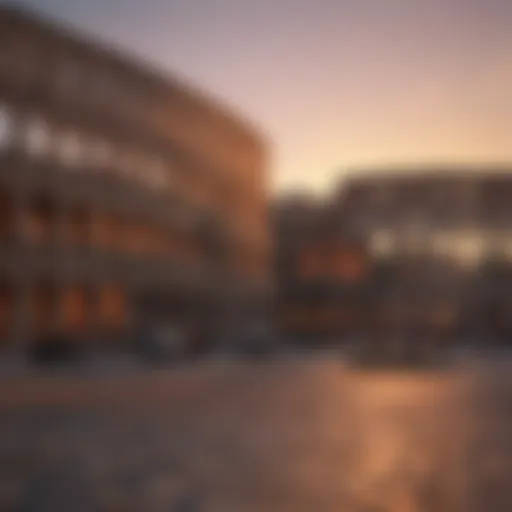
336, 85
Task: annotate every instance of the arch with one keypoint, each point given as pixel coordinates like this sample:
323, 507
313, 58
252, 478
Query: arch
75, 309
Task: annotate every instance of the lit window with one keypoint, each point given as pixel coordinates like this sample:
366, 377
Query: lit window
37, 137
6, 128
69, 148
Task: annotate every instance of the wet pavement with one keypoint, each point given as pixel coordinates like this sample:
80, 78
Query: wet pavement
295, 435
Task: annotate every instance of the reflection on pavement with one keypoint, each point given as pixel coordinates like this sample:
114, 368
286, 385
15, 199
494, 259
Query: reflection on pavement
280, 436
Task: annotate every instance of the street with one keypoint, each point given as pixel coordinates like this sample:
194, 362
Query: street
289, 435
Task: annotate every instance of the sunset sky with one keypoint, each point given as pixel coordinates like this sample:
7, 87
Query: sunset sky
335, 84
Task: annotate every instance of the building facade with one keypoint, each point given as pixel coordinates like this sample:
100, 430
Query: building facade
322, 273
413, 251
126, 197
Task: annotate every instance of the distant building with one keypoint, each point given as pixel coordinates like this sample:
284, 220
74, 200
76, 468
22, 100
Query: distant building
321, 273
409, 251
461, 214
126, 197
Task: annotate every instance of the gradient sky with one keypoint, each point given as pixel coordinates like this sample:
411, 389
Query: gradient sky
335, 83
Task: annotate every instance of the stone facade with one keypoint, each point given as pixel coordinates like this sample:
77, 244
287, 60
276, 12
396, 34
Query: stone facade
126, 196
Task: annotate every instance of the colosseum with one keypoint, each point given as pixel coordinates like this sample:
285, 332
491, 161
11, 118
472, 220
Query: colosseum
127, 196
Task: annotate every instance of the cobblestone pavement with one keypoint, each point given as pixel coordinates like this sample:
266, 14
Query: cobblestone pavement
274, 436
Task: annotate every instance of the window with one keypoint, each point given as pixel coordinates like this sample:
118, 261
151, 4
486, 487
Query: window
75, 308
6, 128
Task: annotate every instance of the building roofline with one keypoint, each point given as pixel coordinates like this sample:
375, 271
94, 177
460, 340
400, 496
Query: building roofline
431, 171
131, 60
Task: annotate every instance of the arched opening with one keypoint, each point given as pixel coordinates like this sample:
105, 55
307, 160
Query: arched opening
112, 311
40, 223
75, 309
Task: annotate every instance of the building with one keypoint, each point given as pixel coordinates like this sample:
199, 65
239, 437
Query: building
321, 273
127, 197
429, 245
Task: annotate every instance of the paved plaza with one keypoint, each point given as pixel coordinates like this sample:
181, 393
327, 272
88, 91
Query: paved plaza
285, 436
